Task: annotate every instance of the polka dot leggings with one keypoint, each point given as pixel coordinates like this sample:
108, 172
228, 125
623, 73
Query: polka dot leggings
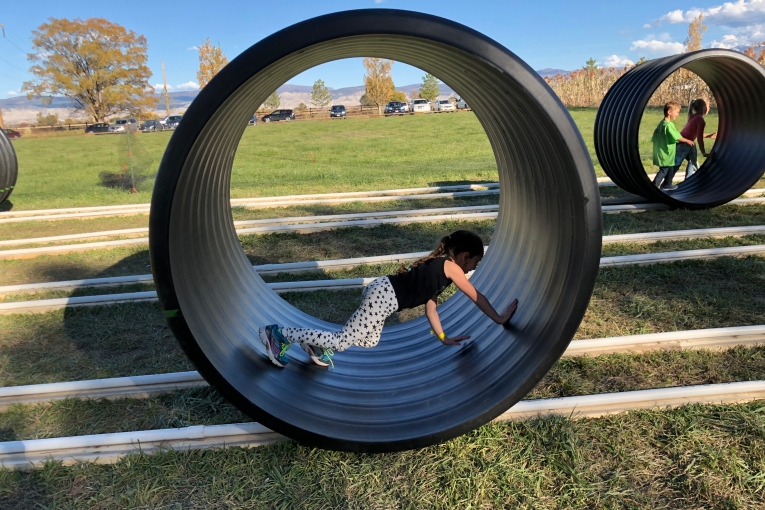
364, 327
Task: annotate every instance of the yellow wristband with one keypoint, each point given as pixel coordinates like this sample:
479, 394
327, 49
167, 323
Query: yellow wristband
441, 336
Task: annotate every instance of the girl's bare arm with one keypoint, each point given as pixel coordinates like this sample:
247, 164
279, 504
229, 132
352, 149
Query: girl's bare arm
455, 273
435, 324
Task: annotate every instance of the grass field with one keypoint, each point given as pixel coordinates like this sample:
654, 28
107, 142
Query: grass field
692, 457
292, 158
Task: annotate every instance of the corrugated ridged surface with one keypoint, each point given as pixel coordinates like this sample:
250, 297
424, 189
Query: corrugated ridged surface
9, 167
737, 83
409, 391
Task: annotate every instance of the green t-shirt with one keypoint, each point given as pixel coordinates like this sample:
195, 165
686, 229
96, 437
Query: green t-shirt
664, 139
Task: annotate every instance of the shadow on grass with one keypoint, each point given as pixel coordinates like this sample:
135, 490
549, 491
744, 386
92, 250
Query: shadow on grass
6, 206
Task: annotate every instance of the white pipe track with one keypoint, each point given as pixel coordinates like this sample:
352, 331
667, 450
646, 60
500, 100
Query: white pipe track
297, 267
109, 448
144, 386
465, 190
46, 305
303, 225
471, 190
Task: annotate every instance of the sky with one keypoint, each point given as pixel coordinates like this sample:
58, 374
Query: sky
545, 33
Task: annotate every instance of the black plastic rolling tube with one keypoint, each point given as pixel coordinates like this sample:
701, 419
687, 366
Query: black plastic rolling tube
737, 83
9, 167
409, 391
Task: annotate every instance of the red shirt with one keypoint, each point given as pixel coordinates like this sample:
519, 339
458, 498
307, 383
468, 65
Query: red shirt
694, 130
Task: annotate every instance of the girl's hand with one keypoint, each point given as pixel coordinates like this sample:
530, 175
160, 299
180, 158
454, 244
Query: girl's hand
455, 341
509, 312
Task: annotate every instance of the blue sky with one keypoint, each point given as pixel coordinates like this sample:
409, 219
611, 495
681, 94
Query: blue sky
545, 33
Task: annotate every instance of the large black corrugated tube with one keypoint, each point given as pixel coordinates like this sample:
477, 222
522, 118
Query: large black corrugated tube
409, 391
737, 82
9, 167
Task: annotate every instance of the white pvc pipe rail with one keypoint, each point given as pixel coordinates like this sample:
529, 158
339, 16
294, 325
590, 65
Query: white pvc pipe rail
143, 386
299, 199
277, 201
255, 203
251, 226
297, 267
108, 448
277, 226
46, 305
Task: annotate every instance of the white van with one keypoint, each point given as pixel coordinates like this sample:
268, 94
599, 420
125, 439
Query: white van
419, 105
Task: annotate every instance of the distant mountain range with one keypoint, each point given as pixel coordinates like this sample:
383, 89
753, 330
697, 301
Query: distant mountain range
20, 109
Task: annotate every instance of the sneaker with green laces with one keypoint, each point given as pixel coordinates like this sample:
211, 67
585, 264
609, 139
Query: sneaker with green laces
276, 345
320, 355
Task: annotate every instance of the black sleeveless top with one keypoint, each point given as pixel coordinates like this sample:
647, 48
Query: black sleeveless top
417, 286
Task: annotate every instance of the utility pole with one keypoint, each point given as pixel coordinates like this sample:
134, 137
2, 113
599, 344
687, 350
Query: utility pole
164, 78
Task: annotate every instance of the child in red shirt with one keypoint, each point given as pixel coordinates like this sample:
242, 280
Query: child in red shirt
693, 130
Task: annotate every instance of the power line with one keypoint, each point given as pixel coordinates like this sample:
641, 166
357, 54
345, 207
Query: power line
13, 65
10, 78
13, 43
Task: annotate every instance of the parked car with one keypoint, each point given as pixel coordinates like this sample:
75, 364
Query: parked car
462, 105
253, 121
444, 105
338, 111
11, 134
151, 125
121, 125
396, 107
173, 121
277, 115
100, 127
420, 105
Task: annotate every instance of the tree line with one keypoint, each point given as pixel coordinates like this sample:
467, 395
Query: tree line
587, 87
102, 67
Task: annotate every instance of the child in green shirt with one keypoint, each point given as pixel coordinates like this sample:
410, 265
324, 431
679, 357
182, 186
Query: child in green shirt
665, 139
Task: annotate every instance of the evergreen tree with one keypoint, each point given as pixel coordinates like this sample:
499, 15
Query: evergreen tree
320, 96
429, 89
273, 101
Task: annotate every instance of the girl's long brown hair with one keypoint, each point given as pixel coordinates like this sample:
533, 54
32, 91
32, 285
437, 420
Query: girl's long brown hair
697, 106
451, 246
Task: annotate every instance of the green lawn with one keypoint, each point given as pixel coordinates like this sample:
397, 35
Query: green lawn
291, 158
693, 457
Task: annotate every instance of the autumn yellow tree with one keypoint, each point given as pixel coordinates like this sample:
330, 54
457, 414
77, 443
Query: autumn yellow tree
378, 81
695, 34
756, 52
211, 61
98, 64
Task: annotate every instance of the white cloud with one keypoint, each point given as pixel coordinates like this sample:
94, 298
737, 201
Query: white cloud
741, 13
675, 17
189, 85
379, 1
161, 86
193, 48
728, 41
12, 93
617, 61
658, 48
647, 25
